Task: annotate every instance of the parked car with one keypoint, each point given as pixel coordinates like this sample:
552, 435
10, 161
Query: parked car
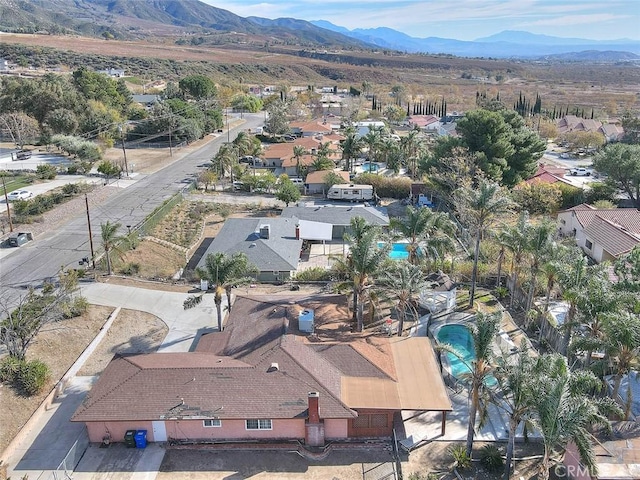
19, 195
580, 171
19, 239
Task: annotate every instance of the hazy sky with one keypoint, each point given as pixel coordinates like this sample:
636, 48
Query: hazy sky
460, 19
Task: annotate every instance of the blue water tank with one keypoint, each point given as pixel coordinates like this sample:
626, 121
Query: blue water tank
141, 438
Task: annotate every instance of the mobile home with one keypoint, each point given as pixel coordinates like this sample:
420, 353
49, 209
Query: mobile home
351, 192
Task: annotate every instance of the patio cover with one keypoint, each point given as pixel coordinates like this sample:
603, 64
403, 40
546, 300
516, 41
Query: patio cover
315, 230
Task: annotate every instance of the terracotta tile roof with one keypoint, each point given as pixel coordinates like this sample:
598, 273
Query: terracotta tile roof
305, 160
318, 177
627, 218
313, 126
278, 150
239, 380
307, 142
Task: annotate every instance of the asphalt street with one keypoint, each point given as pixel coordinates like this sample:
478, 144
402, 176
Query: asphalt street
41, 259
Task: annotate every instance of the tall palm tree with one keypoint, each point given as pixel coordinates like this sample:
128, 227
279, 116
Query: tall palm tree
411, 146
539, 238
514, 239
364, 261
225, 160
572, 280
351, 147
110, 239
404, 282
518, 384
483, 331
424, 229
479, 207
225, 272
298, 152
564, 411
622, 348
372, 140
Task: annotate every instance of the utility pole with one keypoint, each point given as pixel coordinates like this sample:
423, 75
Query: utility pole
93, 259
124, 152
6, 199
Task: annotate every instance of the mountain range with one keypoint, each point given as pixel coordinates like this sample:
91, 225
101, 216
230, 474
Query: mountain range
508, 43
125, 19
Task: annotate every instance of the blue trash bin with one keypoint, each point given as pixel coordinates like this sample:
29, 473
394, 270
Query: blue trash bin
141, 438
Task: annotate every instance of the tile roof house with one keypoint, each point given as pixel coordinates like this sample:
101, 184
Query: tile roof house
265, 379
549, 174
603, 234
315, 181
270, 243
310, 129
338, 215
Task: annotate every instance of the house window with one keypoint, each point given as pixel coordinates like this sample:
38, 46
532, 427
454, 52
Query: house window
255, 424
588, 244
212, 422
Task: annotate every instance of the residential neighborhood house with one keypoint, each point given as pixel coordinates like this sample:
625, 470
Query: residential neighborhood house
603, 234
272, 375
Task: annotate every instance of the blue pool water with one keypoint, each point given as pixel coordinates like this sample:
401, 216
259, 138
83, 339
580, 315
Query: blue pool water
398, 251
459, 337
369, 167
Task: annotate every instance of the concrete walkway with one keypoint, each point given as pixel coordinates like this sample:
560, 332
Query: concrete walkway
185, 326
39, 451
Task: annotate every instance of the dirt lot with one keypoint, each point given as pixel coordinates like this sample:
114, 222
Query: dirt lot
60, 344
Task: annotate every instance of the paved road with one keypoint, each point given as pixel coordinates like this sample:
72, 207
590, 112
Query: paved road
42, 259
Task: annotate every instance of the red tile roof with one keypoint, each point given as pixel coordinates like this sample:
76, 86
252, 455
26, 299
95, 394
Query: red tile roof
232, 375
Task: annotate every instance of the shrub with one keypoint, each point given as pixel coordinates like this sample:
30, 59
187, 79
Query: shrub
491, 458
46, 172
10, 368
386, 187
130, 268
33, 377
314, 274
75, 307
71, 189
460, 457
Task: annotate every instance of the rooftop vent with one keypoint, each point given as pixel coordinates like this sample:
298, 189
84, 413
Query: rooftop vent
265, 231
274, 367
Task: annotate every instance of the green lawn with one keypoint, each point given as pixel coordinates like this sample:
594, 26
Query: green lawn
14, 183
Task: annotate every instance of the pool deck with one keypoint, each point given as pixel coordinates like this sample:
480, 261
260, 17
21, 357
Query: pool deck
426, 425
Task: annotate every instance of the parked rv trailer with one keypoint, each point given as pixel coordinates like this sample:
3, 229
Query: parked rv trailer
351, 192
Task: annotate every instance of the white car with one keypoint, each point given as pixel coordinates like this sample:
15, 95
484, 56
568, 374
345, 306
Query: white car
580, 171
19, 195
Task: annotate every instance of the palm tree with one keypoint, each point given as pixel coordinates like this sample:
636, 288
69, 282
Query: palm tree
298, 152
110, 240
483, 331
225, 160
351, 147
622, 348
363, 262
411, 145
539, 239
564, 411
479, 207
404, 282
372, 140
425, 230
518, 386
225, 272
572, 279
514, 239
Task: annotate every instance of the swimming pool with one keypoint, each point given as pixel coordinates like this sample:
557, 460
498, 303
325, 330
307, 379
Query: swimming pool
459, 337
398, 251
370, 167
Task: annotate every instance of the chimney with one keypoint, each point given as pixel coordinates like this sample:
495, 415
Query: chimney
314, 413
297, 232
265, 231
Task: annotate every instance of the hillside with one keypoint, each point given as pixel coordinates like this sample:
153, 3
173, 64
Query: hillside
126, 19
